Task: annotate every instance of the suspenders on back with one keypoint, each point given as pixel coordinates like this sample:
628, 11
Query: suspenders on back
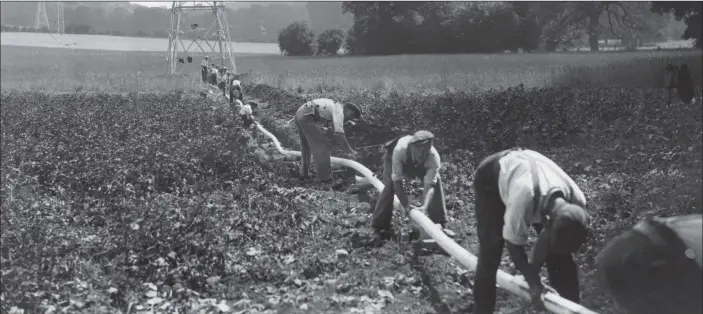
542, 204
536, 199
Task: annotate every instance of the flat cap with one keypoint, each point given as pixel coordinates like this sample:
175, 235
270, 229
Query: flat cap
421, 136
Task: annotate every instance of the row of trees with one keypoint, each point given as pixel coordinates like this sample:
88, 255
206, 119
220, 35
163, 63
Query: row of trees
250, 22
299, 40
382, 28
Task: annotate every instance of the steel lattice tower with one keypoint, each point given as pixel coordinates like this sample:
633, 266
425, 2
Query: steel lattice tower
218, 33
60, 24
41, 18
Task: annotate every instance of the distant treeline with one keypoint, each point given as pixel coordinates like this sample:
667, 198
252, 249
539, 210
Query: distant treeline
384, 27
258, 22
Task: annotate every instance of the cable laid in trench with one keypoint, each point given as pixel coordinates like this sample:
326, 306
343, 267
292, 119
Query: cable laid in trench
553, 302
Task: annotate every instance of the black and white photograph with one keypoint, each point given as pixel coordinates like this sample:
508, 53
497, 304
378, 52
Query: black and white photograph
351, 157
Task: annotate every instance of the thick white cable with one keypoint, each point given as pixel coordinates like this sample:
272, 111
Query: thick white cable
553, 302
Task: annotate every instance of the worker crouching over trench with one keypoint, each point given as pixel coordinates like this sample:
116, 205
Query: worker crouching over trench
411, 157
516, 189
314, 142
246, 112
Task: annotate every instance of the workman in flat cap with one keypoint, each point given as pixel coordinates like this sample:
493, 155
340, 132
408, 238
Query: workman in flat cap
313, 141
410, 157
516, 189
222, 81
214, 74
655, 267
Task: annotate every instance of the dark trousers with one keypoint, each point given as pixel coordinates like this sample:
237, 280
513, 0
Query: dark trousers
313, 142
685, 89
645, 277
204, 73
222, 85
490, 209
383, 212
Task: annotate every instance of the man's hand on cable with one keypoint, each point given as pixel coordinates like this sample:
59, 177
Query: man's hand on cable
536, 290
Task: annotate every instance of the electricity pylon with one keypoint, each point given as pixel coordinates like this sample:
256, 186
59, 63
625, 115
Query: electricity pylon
41, 19
60, 24
215, 41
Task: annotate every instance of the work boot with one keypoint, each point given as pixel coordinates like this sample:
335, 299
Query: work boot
337, 185
380, 235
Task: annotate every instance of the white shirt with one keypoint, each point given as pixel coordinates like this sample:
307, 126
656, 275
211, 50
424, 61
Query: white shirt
688, 229
203, 63
328, 110
243, 109
516, 189
400, 156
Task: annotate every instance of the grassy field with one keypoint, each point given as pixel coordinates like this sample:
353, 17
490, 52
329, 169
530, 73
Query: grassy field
116, 43
108, 71
124, 191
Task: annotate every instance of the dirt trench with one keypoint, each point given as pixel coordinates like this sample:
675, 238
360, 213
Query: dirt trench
418, 281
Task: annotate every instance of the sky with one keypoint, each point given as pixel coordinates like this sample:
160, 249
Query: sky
154, 4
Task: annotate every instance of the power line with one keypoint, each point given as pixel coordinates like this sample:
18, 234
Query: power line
60, 23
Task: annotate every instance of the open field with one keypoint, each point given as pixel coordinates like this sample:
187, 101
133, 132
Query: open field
108, 71
116, 43
117, 179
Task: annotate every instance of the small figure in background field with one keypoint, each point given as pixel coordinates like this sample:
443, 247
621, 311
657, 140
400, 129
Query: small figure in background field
684, 85
671, 75
679, 78
313, 140
204, 69
656, 267
517, 189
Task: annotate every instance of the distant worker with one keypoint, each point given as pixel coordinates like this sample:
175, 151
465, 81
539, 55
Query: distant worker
222, 81
314, 142
204, 69
685, 87
671, 76
246, 112
214, 73
235, 90
514, 189
410, 157
655, 267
